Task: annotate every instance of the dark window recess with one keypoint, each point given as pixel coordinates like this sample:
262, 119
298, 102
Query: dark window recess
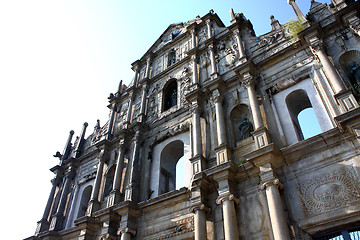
170, 95
171, 58
347, 234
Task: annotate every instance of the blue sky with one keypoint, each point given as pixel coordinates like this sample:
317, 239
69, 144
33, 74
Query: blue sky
59, 60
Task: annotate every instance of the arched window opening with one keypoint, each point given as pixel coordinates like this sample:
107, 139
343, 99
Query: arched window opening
171, 57
308, 123
170, 95
169, 158
241, 122
109, 181
296, 102
85, 198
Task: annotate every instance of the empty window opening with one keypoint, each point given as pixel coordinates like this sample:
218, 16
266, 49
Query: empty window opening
241, 122
296, 102
170, 95
85, 198
171, 57
170, 170
308, 123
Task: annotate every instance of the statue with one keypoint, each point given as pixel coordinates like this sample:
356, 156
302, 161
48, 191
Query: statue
245, 128
355, 73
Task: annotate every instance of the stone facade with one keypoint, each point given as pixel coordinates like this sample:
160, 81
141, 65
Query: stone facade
226, 102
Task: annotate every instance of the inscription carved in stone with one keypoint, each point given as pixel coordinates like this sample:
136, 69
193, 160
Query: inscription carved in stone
335, 190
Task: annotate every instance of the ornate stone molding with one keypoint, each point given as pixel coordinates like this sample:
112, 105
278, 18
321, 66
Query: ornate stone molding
227, 197
247, 79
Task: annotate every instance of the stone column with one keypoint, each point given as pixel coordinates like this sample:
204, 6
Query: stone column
43, 224
220, 123
94, 200
343, 96
115, 194
276, 210
197, 149
67, 148
212, 59
136, 75
193, 38
111, 121
142, 104
328, 68
199, 221
209, 28
229, 214
126, 233
57, 220
79, 145
195, 69
248, 81
297, 10
131, 193
242, 53
148, 65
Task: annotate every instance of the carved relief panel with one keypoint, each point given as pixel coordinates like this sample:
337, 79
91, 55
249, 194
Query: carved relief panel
228, 54
121, 115
334, 190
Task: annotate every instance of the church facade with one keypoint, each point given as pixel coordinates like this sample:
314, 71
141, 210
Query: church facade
225, 103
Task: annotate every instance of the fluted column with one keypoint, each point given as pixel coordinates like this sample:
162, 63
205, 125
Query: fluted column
94, 200
200, 221
212, 59
242, 53
115, 194
220, 123
57, 220
276, 210
229, 214
195, 69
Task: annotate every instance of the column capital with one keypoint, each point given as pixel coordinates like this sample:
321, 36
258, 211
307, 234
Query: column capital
217, 97
56, 180
211, 47
272, 182
126, 230
70, 173
121, 144
248, 79
227, 197
201, 207
103, 155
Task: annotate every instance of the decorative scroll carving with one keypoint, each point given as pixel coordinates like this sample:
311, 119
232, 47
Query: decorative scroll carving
332, 191
268, 40
227, 197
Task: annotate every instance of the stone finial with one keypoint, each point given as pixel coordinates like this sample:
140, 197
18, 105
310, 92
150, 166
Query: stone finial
297, 10
275, 25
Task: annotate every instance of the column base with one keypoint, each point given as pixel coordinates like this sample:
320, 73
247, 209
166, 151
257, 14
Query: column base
222, 154
197, 163
114, 198
42, 226
346, 100
92, 207
261, 137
